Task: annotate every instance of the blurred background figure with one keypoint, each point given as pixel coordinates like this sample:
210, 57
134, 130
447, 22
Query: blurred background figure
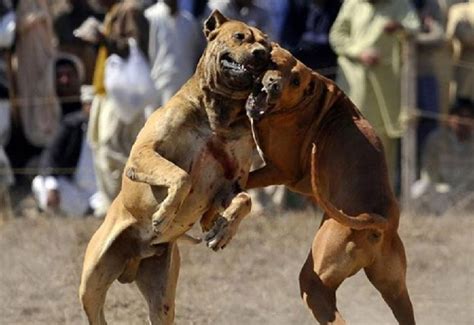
367, 38
244, 10
69, 78
36, 110
443, 69
176, 44
460, 31
67, 182
68, 74
447, 178
38, 106
65, 24
195, 7
7, 35
111, 137
310, 42
430, 43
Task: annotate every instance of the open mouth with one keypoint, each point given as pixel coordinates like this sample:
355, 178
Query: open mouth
258, 103
232, 66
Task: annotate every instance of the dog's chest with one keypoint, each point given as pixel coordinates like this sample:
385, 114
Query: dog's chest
215, 168
219, 162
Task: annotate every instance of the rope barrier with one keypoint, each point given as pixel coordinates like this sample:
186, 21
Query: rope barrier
73, 99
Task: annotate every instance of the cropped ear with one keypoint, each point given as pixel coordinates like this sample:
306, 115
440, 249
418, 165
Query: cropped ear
309, 90
212, 24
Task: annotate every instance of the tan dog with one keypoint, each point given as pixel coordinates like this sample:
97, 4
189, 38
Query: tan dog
191, 159
316, 142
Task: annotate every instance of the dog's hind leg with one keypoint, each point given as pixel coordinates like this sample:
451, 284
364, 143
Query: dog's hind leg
157, 278
99, 272
318, 291
388, 275
335, 255
106, 256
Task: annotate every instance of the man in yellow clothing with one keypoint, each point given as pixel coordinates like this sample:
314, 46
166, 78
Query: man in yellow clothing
110, 137
367, 36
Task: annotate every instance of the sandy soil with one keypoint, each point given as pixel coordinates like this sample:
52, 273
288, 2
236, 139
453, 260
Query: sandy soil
253, 281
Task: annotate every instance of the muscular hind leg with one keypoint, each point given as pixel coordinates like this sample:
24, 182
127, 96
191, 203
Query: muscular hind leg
157, 278
99, 272
333, 258
388, 275
319, 296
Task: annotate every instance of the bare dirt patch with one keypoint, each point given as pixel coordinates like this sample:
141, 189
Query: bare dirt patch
252, 281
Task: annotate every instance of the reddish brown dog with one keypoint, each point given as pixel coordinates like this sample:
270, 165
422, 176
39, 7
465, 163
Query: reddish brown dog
316, 142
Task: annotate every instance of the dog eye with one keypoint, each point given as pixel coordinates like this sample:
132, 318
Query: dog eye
239, 36
295, 81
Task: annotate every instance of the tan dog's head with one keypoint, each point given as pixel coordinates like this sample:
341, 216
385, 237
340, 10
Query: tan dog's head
287, 84
235, 55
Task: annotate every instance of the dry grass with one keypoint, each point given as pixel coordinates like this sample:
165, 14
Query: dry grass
253, 281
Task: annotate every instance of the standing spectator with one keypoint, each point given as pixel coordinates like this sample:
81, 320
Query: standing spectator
313, 47
244, 10
448, 160
110, 137
38, 105
366, 37
64, 26
460, 30
175, 47
443, 68
67, 183
430, 42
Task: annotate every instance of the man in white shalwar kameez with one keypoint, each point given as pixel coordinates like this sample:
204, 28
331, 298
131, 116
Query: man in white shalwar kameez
176, 43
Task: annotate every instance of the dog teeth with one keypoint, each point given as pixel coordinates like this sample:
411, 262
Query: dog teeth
233, 65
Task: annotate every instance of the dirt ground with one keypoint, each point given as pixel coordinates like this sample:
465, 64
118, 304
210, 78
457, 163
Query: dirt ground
253, 281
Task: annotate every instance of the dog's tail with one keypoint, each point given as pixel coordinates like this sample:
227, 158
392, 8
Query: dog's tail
359, 222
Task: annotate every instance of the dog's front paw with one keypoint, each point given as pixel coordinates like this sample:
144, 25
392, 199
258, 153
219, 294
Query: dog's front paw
161, 221
221, 234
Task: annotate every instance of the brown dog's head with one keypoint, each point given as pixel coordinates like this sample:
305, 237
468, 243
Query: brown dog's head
235, 55
287, 84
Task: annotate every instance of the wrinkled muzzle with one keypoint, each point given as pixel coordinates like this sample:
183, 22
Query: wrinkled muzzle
241, 69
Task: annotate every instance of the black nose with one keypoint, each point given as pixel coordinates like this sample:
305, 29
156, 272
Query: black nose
275, 87
260, 54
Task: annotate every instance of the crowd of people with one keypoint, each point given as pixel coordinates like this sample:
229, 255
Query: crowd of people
64, 132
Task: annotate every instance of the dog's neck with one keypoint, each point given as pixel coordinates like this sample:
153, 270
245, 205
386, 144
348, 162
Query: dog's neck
295, 126
226, 116
224, 108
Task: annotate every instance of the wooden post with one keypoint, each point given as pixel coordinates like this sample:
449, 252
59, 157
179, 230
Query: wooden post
409, 107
